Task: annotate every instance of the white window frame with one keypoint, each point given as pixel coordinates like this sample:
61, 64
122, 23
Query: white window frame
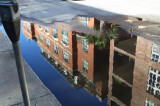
40, 37
46, 29
28, 28
84, 21
24, 25
47, 42
153, 85
85, 66
40, 27
155, 53
65, 56
65, 38
55, 33
56, 49
149, 102
85, 44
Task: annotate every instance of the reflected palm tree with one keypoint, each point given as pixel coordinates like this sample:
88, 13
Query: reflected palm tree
103, 36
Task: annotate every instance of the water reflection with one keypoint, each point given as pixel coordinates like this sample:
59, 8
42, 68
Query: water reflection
126, 70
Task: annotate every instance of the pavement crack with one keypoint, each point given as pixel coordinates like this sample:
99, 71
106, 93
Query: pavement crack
6, 50
36, 99
36, 102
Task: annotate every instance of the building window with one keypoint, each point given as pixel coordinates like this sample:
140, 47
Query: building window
148, 102
56, 49
153, 85
84, 21
66, 56
85, 65
28, 28
46, 30
24, 25
54, 33
39, 27
47, 43
85, 45
40, 37
65, 38
155, 53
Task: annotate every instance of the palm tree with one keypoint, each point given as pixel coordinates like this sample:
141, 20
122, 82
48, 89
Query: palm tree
103, 36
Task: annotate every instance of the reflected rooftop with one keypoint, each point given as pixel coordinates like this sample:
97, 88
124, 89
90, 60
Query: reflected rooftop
101, 57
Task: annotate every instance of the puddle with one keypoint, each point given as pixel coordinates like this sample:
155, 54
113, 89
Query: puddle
93, 62
111, 65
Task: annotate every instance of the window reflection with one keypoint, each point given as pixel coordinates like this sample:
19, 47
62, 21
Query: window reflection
65, 37
66, 56
155, 53
46, 30
28, 28
153, 85
85, 65
54, 33
148, 102
40, 37
84, 21
85, 44
47, 42
56, 49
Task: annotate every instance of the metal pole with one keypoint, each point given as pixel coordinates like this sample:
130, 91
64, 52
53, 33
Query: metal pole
21, 73
10, 15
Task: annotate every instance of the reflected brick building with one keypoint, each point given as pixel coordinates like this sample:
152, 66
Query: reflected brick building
146, 88
76, 57
28, 29
128, 72
134, 72
58, 44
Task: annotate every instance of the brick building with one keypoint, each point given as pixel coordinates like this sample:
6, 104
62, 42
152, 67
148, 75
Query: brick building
28, 29
133, 63
58, 44
146, 83
130, 67
73, 53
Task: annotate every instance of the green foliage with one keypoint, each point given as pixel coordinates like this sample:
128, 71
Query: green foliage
101, 39
101, 42
91, 38
118, 81
113, 33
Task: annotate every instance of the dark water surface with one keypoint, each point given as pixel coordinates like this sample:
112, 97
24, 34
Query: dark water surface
66, 93
94, 64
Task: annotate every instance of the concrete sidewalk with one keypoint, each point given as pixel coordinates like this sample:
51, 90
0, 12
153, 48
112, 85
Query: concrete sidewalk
10, 92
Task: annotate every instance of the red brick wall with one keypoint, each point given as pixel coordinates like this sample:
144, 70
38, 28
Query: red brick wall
99, 88
68, 49
143, 48
88, 57
29, 34
76, 54
141, 70
90, 73
91, 21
